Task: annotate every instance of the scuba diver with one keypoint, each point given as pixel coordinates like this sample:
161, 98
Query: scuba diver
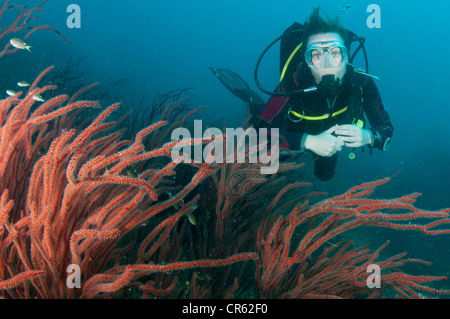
321, 102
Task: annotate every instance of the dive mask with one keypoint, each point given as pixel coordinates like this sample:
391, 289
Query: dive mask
329, 54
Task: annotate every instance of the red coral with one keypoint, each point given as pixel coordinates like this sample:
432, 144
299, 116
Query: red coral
317, 268
66, 199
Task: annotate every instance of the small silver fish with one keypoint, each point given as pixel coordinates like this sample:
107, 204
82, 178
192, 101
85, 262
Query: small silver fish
346, 9
19, 44
38, 97
23, 83
10, 92
192, 218
131, 173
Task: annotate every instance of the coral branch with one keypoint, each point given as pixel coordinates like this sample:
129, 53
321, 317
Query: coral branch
21, 23
18, 279
314, 270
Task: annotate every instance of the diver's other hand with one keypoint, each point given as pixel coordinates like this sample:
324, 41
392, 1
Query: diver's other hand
353, 136
324, 144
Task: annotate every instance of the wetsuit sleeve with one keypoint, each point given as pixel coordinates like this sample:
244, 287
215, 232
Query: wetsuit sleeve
380, 123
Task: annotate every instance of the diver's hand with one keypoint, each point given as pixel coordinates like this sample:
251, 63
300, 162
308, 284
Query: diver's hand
354, 136
324, 144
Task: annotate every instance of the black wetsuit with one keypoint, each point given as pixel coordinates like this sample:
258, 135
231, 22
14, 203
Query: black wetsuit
310, 113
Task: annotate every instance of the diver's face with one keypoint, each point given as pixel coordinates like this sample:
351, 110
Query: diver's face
325, 56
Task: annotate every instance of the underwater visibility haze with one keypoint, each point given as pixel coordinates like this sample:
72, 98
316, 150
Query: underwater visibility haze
87, 179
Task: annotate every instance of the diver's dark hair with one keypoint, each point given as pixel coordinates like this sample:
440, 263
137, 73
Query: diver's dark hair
316, 24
